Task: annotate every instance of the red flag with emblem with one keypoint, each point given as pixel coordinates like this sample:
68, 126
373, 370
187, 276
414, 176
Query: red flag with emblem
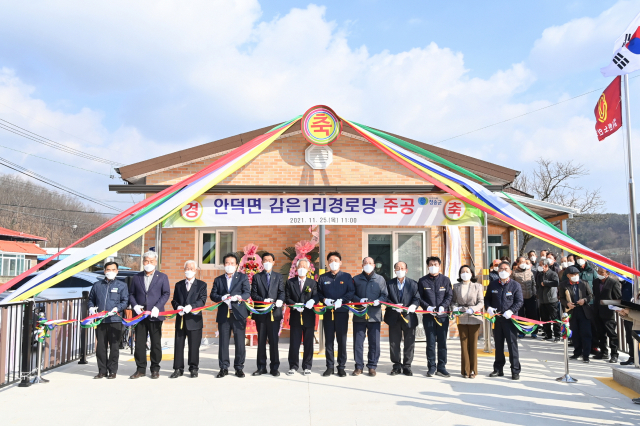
608, 110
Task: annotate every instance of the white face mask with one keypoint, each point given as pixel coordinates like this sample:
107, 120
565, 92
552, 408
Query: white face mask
368, 268
149, 267
504, 274
575, 278
434, 270
189, 274
600, 276
110, 275
302, 272
523, 266
550, 261
465, 276
230, 269
570, 264
401, 273
495, 268
581, 262
267, 266
334, 266
564, 265
527, 266
378, 265
532, 258
540, 268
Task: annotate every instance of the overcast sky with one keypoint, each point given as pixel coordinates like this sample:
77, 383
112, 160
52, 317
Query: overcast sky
129, 81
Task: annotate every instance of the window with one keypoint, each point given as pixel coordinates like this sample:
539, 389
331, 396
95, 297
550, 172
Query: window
214, 244
12, 264
387, 247
496, 249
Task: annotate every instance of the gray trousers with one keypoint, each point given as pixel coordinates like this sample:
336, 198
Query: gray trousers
397, 332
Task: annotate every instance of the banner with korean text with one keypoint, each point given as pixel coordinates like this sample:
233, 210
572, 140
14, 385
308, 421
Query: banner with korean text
392, 210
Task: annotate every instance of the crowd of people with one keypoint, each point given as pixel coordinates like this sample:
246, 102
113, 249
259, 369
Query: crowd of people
531, 287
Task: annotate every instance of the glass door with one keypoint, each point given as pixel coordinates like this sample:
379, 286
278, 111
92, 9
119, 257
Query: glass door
409, 247
379, 248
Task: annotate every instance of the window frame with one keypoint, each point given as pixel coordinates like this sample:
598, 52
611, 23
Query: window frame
217, 230
394, 232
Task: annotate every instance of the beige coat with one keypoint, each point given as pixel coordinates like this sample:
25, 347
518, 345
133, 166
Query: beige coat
474, 300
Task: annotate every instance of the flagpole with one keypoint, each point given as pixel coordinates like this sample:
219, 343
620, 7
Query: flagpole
633, 226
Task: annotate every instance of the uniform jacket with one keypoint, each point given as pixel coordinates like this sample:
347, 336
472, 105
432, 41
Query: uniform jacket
196, 297
239, 287
106, 295
275, 291
435, 291
504, 297
584, 290
409, 297
372, 287
294, 295
611, 291
547, 283
156, 297
473, 300
336, 287
527, 280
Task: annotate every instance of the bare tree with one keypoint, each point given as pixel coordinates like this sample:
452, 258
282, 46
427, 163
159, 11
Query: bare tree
555, 182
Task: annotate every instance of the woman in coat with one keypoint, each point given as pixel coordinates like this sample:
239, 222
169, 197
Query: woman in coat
523, 275
468, 298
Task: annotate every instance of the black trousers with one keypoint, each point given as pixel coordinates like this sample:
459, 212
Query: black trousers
529, 310
195, 339
238, 327
336, 329
548, 312
607, 328
581, 332
503, 330
398, 332
154, 330
296, 335
628, 328
108, 336
268, 330
372, 331
436, 334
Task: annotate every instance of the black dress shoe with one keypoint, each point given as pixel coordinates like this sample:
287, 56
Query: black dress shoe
395, 372
515, 376
136, 375
431, 372
176, 374
239, 373
328, 372
259, 372
155, 375
614, 359
100, 376
496, 373
341, 372
111, 376
630, 361
574, 357
194, 374
275, 373
223, 372
407, 372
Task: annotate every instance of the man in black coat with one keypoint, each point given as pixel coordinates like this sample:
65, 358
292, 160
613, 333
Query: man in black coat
576, 295
150, 293
302, 291
606, 287
232, 288
188, 294
402, 291
268, 286
435, 293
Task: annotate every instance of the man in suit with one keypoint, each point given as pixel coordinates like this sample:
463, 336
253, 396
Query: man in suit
188, 294
231, 288
334, 288
606, 287
402, 291
435, 293
150, 293
268, 286
370, 287
575, 295
302, 291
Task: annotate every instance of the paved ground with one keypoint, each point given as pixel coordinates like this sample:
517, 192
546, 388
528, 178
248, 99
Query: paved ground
73, 398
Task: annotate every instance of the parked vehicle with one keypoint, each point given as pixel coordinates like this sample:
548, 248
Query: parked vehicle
68, 288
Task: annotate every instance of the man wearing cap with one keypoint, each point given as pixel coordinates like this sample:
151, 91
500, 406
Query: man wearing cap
575, 296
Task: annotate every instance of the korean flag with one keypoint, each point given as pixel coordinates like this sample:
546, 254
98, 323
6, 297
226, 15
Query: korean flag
626, 52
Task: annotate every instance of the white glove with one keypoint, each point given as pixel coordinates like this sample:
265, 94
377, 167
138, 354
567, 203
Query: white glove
430, 308
491, 311
376, 302
138, 309
278, 303
235, 298
455, 309
228, 302
154, 312
470, 311
225, 297
268, 300
441, 309
309, 304
363, 300
329, 302
398, 310
338, 303
299, 309
181, 309
507, 314
93, 311
187, 309
412, 309
114, 311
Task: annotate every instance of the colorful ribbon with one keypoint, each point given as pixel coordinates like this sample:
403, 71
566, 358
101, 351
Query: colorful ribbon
44, 326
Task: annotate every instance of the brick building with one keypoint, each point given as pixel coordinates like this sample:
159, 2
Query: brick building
291, 167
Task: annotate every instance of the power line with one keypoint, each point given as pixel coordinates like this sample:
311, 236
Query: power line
54, 161
48, 217
59, 210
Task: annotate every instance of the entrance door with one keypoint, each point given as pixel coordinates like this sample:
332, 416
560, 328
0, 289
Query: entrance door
379, 248
387, 247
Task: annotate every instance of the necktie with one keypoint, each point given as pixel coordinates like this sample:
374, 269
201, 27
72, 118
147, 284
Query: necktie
400, 292
268, 281
301, 285
188, 286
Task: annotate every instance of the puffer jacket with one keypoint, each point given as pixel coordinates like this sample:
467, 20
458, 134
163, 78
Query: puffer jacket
527, 281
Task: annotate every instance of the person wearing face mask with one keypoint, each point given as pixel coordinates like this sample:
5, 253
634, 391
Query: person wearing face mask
551, 261
575, 297
523, 275
564, 264
547, 284
369, 287
232, 288
402, 324
150, 292
543, 254
335, 287
493, 272
532, 257
188, 294
435, 296
381, 270
468, 299
504, 297
111, 295
606, 287
302, 291
268, 286
588, 274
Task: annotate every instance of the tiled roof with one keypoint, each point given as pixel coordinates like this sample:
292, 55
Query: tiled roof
19, 247
4, 232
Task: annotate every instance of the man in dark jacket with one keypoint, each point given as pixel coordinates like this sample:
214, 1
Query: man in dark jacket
268, 286
627, 295
335, 288
188, 294
575, 296
504, 297
606, 287
303, 292
402, 325
150, 293
372, 288
493, 271
109, 295
547, 283
233, 289
435, 293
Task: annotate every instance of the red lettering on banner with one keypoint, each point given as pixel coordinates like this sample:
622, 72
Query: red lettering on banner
406, 205
454, 208
321, 121
191, 210
389, 205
